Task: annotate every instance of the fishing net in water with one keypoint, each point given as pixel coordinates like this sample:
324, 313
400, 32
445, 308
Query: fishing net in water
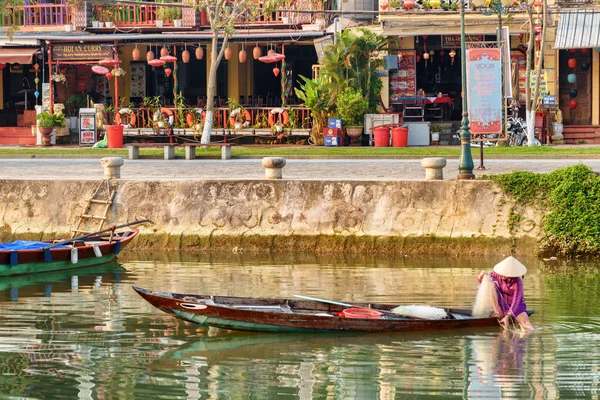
486, 302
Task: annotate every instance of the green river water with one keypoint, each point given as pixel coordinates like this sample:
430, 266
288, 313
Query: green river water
87, 335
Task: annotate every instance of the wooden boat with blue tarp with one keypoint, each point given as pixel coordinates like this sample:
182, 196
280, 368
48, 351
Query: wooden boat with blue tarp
300, 315
28, 257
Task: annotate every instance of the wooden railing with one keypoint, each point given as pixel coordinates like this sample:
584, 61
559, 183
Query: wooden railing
126, 15
259, 117
37, 15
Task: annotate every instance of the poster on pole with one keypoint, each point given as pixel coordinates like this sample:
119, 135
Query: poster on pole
87, 126
484, 90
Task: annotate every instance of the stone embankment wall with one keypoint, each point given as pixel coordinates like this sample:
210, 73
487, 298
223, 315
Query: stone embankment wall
386, 217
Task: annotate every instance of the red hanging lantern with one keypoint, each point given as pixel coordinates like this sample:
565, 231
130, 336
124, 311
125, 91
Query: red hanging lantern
227, 53
418, 57
573, 104
275, 71
169, 59
199, 53
35, 66
256, 52
585, 51
168, 72
156, 63
135, 54
108, 76
185, 56
100, 70
81, 85
425, 42
150, 56
573, 51
572, 63
242, 56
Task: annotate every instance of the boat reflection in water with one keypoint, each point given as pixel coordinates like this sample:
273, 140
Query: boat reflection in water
59, 281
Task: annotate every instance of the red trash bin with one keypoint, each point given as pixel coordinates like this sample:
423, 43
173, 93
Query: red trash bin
114, 134
381, 136
399, 137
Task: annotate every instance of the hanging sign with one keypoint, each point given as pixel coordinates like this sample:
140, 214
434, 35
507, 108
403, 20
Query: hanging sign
484, 90
453, 41
83, 51
543, 82
87, 126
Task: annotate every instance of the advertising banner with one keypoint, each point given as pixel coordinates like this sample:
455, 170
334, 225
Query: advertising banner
484, 90
87, 126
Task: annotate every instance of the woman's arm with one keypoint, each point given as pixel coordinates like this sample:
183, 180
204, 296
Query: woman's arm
481, 275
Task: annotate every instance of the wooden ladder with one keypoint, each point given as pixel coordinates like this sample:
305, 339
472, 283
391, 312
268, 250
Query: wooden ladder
94, 215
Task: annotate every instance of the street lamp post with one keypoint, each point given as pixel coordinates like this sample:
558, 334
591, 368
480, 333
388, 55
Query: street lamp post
465, 164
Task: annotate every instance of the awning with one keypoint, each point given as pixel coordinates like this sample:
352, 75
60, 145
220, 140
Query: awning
578, 29
17, 55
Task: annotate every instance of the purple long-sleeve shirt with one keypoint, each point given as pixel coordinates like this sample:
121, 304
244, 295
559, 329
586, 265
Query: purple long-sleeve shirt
510, 294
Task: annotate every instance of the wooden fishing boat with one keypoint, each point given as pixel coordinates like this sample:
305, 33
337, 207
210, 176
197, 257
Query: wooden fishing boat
50, 256
292, 315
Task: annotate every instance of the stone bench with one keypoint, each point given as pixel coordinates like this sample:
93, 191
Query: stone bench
169, 149
190, 149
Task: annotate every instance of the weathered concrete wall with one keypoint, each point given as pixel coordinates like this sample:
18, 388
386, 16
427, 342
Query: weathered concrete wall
456, 217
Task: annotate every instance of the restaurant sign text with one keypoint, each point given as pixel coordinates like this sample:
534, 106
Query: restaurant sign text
79, 52
484, 90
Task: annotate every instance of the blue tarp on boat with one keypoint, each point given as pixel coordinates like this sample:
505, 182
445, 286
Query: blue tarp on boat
26, 245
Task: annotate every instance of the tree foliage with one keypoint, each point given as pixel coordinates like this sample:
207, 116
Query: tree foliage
223, 15
347, 63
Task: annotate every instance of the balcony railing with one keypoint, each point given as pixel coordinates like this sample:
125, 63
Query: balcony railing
574, 3
37, 15
259, 117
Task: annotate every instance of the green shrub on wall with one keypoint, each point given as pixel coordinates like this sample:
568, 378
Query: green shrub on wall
570, 197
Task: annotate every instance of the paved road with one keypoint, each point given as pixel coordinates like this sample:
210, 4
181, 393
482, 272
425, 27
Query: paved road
391, 169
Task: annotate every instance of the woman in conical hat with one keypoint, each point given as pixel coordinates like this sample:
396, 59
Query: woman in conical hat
509, 286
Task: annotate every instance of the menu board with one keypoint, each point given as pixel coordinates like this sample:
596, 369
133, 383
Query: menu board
87, 126
519, 66
138, 79
403, 81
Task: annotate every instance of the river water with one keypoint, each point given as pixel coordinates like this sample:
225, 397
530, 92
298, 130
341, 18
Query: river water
87, 335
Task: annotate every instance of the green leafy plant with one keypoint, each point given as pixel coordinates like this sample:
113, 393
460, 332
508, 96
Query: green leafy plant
292, 118
570, 198
445, 6
351, 107
151, 102
426, 4
47, 120
453, 6
180, 111
395, 3
73, 105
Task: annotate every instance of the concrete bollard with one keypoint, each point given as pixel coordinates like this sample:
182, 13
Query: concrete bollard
112, 167
434, 168
273, 167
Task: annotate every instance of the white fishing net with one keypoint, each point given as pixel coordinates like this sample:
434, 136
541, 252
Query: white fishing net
486, 302
419, 311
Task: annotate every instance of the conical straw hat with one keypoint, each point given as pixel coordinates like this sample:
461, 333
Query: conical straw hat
510, 267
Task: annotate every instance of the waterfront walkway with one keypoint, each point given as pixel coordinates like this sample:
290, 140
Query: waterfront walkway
326, 169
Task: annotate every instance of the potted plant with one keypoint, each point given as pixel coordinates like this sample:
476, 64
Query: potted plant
46, 124
425, 4
445, 6
435, 131
175, 16
351, 107
162, 14
108, 18
453, 6
72, 107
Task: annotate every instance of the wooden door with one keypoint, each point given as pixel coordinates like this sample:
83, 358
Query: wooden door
582, 115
